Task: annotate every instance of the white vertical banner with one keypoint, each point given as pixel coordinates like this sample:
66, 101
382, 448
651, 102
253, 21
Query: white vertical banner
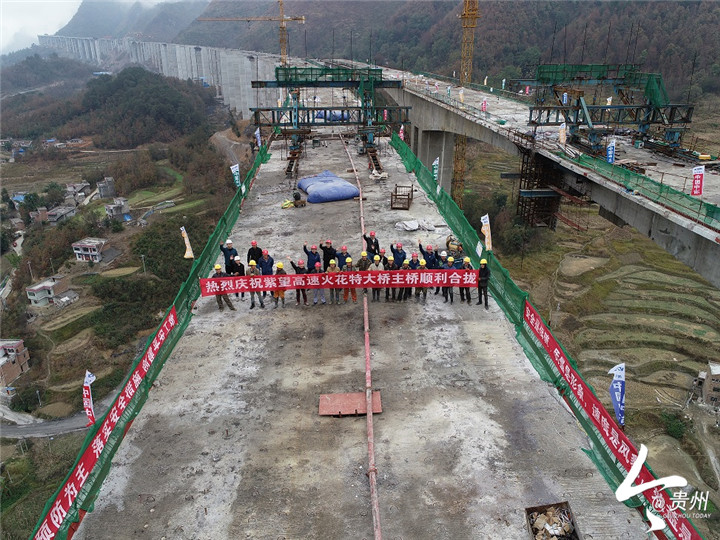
611, 151
188, 248
436, 168
87, 398
562, 134
235, 170
698, 180
486, 231
258, 140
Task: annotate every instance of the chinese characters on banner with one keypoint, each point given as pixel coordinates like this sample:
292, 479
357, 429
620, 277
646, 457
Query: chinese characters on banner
87, 398
235, 170
616, 441
611, 151
341, 280
617, 392
54, 519
435, 168
698, 178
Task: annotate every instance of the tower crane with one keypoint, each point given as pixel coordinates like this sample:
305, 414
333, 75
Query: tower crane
469, 19
283, 27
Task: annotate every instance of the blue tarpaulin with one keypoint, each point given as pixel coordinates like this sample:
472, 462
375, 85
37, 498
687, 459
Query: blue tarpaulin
327, 187
334, 116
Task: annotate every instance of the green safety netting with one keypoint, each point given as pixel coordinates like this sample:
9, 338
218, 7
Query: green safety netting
183, 303
511, 300
684, 204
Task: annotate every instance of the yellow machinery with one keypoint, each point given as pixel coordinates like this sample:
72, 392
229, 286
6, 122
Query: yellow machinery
283, 27
469, 19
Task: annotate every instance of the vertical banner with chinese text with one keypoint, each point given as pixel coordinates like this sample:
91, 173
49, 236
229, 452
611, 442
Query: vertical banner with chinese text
617, 392
235, 169
698, 180
615, 439
611, 151
87, 398
59, 508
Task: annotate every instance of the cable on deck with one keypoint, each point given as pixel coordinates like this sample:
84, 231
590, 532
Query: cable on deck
372, 469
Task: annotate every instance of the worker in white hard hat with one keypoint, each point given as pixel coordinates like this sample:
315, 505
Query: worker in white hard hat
222, 297
228, 251
483, 282
254, 271
441, 263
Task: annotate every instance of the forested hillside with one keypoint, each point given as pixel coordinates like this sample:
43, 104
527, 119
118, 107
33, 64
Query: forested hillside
511, 37
35, 72
123, 111
158, 22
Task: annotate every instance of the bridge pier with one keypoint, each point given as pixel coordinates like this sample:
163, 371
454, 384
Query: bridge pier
437, 144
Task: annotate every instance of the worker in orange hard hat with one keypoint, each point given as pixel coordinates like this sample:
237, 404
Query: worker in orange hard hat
483, 282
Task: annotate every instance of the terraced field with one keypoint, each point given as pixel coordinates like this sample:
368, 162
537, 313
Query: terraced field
611, 296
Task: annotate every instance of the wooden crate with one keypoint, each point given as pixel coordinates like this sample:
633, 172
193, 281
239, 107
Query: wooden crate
564, 507
401, 197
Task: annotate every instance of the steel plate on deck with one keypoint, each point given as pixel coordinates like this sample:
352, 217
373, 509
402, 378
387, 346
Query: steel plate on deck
347, 404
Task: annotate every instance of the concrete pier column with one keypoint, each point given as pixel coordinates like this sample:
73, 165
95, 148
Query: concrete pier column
438, 144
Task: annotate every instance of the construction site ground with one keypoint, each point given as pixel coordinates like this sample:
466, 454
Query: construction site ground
230, 443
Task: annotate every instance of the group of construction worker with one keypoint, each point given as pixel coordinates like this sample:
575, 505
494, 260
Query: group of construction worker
260, 263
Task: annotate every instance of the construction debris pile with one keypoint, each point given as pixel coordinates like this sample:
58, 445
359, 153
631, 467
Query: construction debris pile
552, 522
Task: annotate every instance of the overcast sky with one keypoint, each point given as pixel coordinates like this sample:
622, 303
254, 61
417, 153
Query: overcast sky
22, 20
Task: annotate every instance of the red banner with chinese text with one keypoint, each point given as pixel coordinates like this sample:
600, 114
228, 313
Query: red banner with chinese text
341, 280
698, 179
59, 509
618, 443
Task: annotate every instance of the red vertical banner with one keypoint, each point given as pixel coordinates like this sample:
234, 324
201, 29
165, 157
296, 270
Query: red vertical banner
87, 398
698, 180
54, 520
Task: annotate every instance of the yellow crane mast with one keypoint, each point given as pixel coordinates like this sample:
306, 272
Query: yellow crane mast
283, 27
469, 19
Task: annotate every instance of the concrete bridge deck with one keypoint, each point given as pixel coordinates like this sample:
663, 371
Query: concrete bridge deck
230, 445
